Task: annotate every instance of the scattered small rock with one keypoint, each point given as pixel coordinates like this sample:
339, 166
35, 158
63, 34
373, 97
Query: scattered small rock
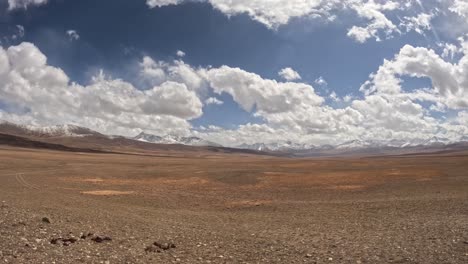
101, 239
152, 249
46, 220
84, 236
164, 246
465, 242
308, 256
63, 241
20, 223
159, 247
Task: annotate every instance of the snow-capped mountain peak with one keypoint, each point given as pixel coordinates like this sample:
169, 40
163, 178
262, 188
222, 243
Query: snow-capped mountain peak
277, 146
46, 131
62, 131
353, 144
172, 139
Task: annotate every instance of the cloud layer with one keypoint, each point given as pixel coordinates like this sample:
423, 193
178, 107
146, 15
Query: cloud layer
34, 93
372, 19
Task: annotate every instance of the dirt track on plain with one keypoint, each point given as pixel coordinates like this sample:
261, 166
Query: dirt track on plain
231, 209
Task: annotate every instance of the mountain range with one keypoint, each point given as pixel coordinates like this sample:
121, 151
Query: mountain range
171, 139
79, 139
76, 136
46, 131
349, 145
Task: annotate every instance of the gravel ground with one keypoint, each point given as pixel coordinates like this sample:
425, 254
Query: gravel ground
229, 209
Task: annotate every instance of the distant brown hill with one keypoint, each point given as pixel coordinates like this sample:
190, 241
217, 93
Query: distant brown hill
71, 138
15, 141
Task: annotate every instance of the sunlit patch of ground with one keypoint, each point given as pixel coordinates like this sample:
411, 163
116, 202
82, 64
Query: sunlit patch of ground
93, 180
107, 192
424, 179
325, 180
347, 187
143, 182
248, 203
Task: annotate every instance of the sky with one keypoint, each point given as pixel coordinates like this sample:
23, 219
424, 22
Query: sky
233, 72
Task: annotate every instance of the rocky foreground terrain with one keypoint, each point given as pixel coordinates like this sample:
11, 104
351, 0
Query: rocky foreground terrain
73, 207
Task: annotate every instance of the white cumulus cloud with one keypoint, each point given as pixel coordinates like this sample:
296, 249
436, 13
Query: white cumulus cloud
420, 23
460, 7
378, 22
213, 101
15, 4
321, 81
449, 81
160, 3
72, 34
289, 74
180, 53
35, 92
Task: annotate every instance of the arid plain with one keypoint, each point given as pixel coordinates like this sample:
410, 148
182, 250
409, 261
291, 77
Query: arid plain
203, 207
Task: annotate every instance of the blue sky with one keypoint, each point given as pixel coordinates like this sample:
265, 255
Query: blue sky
113, 37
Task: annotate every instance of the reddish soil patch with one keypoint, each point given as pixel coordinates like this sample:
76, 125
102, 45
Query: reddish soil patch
107, 192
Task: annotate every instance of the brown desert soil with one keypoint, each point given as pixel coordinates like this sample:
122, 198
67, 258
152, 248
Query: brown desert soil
72, 207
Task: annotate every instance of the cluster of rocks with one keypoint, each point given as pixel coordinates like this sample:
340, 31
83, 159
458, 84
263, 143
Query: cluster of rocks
159, 247
63, 241
71, 240
101, 239
156, 247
